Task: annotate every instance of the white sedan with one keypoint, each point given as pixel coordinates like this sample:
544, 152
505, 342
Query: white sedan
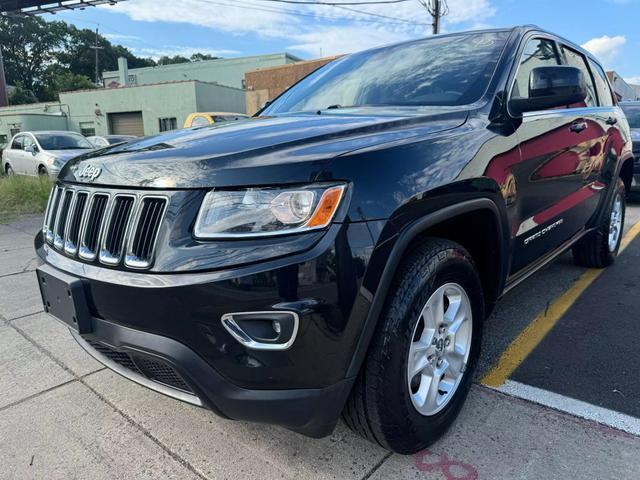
42, 153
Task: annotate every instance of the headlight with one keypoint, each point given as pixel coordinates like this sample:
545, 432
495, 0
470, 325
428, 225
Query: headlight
55, 161
256, 212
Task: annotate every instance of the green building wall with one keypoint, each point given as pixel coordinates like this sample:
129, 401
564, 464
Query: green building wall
226, 71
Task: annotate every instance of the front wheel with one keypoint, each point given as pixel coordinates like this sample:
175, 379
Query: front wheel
599, 248
421, 360
8, 170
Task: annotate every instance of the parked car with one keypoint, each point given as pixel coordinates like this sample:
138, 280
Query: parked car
632, 112
202, 119
101, 141
42, 153
339, 253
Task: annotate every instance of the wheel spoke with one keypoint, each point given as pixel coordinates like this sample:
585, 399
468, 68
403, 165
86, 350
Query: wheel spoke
454, 307
419, 363
456, 361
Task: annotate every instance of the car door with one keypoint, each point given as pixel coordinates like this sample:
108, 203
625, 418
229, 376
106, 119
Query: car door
557, 148
30, 156
16, 156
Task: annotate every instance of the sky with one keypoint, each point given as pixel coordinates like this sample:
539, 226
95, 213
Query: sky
231, 28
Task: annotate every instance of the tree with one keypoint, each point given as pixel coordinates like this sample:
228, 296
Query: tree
198, 57
166, 60
29, 46
21, 95
68, 82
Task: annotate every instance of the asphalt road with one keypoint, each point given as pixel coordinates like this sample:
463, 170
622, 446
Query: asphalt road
64, 416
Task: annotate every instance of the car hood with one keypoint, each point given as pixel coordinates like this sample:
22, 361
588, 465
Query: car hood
65, 155
258, 151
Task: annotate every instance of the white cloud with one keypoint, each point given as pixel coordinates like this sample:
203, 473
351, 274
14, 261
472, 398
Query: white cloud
328, 29
118, 37
171, 51
605, 48
633, 80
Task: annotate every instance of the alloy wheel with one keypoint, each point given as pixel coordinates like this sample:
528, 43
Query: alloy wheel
440, 349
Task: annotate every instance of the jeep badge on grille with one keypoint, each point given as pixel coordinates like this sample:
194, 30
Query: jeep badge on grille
90, 172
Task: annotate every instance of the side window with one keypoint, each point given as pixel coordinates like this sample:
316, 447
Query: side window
602, 85
199, 121
537, 53
28, 141
575, 59
17, 143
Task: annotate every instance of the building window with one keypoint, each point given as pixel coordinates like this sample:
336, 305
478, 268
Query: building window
87, 129
14, 129
3, 139
167, 124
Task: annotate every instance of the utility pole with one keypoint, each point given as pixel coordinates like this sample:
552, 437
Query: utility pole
4, 98
97, 48
437, 9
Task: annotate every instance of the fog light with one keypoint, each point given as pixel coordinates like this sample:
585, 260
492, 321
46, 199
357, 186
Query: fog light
262, 330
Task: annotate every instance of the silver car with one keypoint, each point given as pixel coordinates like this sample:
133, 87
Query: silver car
42, 153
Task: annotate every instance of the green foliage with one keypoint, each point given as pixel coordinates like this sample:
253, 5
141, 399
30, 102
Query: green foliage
21, 96
67, 82
166, 60
20, 194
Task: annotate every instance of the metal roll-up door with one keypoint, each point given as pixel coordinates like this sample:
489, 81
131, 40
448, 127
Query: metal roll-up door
127, 123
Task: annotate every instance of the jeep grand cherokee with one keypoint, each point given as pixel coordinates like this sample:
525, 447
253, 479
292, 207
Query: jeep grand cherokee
338, 253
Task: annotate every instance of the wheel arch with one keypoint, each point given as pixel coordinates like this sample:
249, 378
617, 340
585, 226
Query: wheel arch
454, 219
626, 172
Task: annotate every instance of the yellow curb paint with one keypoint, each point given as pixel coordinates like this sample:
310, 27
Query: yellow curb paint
531, 336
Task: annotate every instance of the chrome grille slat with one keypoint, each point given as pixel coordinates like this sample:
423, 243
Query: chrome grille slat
145, 233
113, 227
62, 217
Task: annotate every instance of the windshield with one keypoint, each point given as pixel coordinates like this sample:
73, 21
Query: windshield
448, 70
62, 141
633, 114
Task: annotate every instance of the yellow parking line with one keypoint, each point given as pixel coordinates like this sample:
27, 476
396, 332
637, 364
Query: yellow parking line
531, 336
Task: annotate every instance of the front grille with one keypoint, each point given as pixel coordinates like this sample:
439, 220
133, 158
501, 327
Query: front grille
111, 227
153, 369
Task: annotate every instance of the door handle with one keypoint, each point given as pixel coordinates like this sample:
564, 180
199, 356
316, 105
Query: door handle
577, 127
611, 121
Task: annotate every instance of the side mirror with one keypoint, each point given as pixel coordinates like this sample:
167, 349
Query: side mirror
551, 87
32, 149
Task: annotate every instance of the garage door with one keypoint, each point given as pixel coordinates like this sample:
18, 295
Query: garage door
127, 123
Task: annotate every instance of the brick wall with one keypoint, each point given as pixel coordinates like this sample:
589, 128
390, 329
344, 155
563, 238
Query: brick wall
267, 83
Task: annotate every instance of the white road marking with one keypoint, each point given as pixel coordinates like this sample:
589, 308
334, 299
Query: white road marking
571, 406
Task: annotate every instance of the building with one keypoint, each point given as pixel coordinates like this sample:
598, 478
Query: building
224, 71
134, 110
265, 84
622, 89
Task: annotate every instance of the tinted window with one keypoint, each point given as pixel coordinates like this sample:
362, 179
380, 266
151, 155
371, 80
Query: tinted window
537, 53
602, 85
633, 114
447, 70
17, 143
62, 141
575, 59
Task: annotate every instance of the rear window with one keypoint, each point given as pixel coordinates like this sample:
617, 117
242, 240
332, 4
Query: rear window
448, 70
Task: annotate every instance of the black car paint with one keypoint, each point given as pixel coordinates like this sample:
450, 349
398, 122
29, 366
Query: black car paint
407, 169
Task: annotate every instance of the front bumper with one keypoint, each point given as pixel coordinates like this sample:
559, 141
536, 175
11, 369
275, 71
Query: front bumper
164, 330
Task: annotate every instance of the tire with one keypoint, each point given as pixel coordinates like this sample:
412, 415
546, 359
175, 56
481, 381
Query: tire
42, 171
595, 250
8, 170
381, 406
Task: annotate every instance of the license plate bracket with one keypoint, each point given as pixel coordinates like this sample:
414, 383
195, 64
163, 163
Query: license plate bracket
64, 298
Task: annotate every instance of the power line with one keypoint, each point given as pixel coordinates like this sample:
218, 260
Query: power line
398, 19
437, 9
365, 2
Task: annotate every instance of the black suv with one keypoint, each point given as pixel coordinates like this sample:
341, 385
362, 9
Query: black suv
339, 252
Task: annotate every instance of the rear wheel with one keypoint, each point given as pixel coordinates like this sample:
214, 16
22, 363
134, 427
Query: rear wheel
421, 360
600, 248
